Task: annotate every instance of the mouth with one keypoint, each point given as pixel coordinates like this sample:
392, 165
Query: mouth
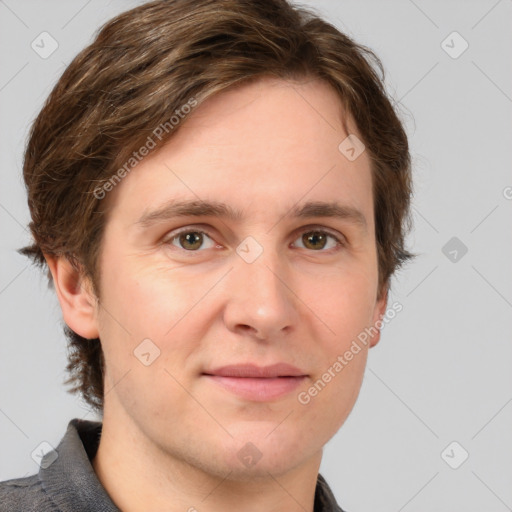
259, 384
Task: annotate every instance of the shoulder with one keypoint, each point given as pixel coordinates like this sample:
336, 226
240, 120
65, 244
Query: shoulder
24, 495
324, 497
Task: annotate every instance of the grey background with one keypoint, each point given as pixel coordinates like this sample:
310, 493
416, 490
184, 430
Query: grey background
441, 372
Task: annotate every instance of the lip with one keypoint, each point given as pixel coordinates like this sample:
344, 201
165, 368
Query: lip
259, 384
252, 370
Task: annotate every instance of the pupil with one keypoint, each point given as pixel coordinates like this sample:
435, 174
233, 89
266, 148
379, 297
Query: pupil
193, 239
315, 237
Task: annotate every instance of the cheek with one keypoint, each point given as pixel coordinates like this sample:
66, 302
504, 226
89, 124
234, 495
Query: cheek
150, 300
344, 307
155, 309
343, 303
327, 402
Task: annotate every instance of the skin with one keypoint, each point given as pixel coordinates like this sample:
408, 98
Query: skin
170, 436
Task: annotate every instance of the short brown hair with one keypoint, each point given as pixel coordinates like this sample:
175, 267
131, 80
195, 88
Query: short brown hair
142, 67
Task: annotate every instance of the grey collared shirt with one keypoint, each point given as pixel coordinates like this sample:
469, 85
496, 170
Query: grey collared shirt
66, 481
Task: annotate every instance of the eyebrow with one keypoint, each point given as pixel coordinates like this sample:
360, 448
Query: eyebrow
198, 208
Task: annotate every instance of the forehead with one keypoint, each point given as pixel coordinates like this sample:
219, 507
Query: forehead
300, 116
257, 145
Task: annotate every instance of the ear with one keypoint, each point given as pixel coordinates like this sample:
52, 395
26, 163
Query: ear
76, 298
378, 313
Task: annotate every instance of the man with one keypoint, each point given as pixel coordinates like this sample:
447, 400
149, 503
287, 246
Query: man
220, 191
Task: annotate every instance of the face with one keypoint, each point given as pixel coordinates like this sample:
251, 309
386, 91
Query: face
262, 280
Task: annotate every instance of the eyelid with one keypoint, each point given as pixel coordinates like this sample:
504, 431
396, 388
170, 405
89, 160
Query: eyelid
199, 228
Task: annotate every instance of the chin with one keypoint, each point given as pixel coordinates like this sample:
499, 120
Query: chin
257, 452
275, 464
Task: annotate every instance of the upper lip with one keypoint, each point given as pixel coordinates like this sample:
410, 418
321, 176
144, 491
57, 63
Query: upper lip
252, 370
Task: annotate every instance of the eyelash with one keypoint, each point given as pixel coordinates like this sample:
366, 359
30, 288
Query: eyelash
340, 243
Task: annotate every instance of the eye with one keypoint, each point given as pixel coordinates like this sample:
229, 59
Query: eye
318, 239
190, 240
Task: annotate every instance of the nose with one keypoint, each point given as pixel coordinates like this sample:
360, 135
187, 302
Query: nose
260, 298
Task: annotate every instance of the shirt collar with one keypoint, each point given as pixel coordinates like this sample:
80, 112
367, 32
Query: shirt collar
70, 482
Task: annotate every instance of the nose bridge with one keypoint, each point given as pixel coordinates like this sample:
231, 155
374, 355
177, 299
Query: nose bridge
260, 267
261, 263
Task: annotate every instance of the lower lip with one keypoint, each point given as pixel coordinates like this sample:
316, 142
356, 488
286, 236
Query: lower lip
258, 389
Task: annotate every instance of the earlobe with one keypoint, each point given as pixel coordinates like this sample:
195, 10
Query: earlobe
75, 296
378, 313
